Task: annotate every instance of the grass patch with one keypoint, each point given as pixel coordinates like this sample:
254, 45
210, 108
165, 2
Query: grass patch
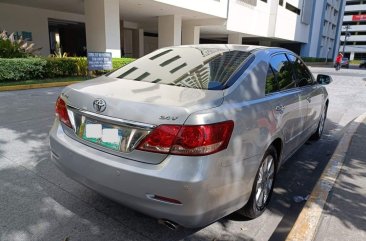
42, 81
355, 61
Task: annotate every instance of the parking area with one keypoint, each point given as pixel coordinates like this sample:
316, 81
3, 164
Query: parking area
39, 203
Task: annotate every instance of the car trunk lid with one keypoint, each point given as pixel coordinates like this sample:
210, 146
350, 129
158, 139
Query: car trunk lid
133, 109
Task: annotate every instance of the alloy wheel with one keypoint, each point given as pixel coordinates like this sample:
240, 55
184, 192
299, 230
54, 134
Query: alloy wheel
264, 182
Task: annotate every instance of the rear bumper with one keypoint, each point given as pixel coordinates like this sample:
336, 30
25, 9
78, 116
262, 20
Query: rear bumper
199, 183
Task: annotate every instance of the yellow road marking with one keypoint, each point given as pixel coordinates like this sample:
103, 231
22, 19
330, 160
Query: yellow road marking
36, 86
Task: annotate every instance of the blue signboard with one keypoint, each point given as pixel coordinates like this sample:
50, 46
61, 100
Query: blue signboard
25, 35
100, 61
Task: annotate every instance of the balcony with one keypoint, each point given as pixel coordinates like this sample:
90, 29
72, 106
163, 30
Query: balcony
358, 7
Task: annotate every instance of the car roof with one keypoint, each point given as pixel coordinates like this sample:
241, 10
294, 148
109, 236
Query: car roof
239, 47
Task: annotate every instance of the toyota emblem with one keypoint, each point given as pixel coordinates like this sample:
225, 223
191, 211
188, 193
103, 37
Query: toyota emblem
99, 105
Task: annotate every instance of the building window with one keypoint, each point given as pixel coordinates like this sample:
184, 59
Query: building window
264, 1
280, 2
292, 8
353, 3
360, 43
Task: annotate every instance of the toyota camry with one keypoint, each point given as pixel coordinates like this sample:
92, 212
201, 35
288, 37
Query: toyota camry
190, 134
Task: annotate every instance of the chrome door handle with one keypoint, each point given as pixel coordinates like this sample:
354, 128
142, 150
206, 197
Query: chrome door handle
308, 99
280, 108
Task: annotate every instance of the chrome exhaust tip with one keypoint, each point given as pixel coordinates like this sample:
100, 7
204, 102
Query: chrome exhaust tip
169, 224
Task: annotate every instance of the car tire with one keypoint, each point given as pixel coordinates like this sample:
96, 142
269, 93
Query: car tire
262, 186
319, 131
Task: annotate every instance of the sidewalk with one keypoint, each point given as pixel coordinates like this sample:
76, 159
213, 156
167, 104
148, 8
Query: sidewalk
344, 214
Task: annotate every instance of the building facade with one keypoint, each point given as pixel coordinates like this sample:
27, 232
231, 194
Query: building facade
325, 29
133, 28
354, 27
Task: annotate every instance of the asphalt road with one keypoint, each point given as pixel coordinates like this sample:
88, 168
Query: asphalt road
37, 202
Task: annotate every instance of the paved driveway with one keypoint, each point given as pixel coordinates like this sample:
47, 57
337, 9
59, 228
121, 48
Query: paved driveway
37, 202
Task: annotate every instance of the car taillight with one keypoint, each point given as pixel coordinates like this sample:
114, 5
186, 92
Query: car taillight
61, 112
194, 140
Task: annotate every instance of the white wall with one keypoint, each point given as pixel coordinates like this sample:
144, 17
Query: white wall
356, 49
268, 20
245, 18
289, 25
354, 38
211, 7
14, 18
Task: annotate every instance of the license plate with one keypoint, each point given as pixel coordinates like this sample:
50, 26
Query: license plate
104, 135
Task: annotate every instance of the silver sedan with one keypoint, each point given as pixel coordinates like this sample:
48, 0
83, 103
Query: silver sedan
190, 134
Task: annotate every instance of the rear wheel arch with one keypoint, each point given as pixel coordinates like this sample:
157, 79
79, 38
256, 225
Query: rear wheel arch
251, 209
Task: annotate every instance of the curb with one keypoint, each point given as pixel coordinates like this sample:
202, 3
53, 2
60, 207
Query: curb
306, 225
37, 86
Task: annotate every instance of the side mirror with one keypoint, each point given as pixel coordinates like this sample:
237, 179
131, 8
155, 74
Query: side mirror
324, 79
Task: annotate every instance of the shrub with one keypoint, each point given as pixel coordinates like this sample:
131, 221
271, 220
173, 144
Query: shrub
22, 69
38, 68
119, 62
81, 66
78, 66
61, 67
12, 48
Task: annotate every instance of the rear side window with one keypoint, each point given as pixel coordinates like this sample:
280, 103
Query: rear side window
192, 67
282, 69
302, 73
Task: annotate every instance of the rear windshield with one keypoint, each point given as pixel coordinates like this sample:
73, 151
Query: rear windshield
192, 67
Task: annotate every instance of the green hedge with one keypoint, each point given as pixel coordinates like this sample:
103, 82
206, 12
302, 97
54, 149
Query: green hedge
61, 67
22, 69
118, 63
39, 68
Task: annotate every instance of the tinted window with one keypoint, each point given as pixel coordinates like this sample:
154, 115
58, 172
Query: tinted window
302, 73
271, 82
192, 67
282, 69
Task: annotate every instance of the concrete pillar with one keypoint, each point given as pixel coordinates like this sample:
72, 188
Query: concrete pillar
138, 42
235, 38
141, 42
122, 37
102, 24
190, 34
352, 56
170, 30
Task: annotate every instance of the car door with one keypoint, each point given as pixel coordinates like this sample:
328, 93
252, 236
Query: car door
282, 89
310, 95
